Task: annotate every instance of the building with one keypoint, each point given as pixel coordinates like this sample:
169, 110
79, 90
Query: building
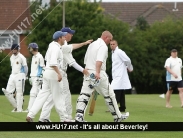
15, 21
151, 11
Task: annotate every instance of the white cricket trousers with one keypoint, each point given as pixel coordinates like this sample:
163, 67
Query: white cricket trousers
16, 81
104, 89
34, 91
48, 105
50, 86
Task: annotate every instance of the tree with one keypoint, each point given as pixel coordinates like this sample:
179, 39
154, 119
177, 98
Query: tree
142, 24
88, 21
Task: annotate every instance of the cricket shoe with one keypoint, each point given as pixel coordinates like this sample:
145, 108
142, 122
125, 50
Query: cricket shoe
28, 119
14, 110
45, 120
26, 111
69, 120
79, 118
123, 117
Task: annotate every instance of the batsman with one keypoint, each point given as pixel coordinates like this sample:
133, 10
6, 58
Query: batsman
17, 79
95, 61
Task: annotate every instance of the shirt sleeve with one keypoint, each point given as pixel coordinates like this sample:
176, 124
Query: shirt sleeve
86, 55
53, 58
67, 52
24, 62
167, 63
180, 62
41, 60
11, 61
122, 55
102, 53
67, 48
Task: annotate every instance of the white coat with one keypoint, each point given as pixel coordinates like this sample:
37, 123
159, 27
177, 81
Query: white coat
120, 63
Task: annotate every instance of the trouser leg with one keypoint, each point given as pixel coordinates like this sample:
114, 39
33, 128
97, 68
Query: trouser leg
107, 92
58, 99
120, 98
20, 83
40, 99
82, 101
46, 110
122, 101
8, 92
34, 91
67, 94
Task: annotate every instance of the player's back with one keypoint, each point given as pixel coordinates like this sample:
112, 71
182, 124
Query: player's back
97, 51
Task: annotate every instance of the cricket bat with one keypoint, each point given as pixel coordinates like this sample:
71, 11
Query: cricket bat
93, 101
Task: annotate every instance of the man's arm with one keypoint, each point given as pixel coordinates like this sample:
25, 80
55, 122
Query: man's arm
126, 60
79, 68
98, 67
76, 46
58, 72
171, 72
25, 70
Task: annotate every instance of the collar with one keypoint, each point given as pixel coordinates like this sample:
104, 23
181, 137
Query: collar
102, 41
36, 54
115, 49
16, 55
57, 44
173, 57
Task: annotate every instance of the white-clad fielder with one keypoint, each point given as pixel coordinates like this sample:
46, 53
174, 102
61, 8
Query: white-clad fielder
17, 79
68, 61
37, 66
52, 80
95, 61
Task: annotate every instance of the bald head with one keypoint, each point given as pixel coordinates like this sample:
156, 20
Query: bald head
107, 37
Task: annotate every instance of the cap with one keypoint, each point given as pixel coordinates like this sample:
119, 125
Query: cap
174, 50
15, 46
68, 30
58, 34
33, 45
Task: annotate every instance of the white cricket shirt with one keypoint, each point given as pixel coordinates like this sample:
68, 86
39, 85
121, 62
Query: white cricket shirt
175, 64
67, 55
17, 63
54, 56
97, 51
36, 65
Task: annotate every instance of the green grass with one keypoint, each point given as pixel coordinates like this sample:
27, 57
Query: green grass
142, 108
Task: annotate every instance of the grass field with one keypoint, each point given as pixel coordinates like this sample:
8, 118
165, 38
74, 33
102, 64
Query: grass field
142, 108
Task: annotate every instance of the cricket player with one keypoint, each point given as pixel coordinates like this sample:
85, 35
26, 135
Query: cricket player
95, 61
52, 78
173, 66
37, 66
68, 61
17, 79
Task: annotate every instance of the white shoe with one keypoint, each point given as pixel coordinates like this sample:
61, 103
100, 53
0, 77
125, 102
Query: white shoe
26, 111
79, 118
14, 110
123, 117
44, 120
69, 120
